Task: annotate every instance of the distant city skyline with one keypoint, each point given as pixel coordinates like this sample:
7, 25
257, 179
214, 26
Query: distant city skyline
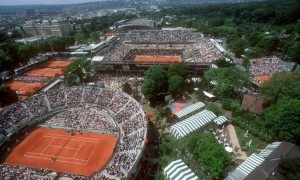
33, 2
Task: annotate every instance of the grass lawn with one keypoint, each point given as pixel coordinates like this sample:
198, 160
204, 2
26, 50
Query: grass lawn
256, 142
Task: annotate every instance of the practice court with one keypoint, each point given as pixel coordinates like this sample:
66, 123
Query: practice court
60, 64
53, 149
22, 87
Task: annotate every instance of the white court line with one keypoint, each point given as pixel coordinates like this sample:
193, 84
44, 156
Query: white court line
88, 160
79, 148
29, 154
58, 160
74, 139
47, 145
36, 143
60, 147
66, 136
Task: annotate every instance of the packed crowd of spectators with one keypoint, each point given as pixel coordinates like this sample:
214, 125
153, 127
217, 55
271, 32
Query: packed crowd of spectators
200, 50
10, 172
264, 66
113, 81
32, 78
133, 129
161, 36
37, 105
221, 135
138, 22
13, 114
109, 104
83, 119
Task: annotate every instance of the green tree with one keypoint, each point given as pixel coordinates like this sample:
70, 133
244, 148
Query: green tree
68, 41
79, 71
79, 38
27, 51
177, 73
269, 44
285, 119
290, 168
214, 108
179, 69
5, 61
176, 84
94, 37
297, 27
57, 44
254, 38
281, 85
293, 51
162, 112
239, 46
246, 63
217, 21
159, 176
210, 154
127, 88
155, 83
44, 46
72, 79
227, 80
7, 96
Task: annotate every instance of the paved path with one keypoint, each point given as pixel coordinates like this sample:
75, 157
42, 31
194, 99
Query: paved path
235, 142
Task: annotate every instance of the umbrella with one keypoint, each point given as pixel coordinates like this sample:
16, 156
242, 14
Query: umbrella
228, 149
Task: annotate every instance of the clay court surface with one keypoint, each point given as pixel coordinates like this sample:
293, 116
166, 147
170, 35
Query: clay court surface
60, 64
81, 154
48, 72
23, 87
157, 59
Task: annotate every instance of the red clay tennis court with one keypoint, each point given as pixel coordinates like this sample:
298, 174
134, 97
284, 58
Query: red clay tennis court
53, 149
60, 64
157, 59
22, 87
48, 72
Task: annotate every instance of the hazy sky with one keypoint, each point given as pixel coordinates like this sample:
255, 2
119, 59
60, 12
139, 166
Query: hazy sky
28, 2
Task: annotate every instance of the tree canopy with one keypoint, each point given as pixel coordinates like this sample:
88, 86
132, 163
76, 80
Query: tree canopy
283, 84
127, 88
79, 71
227, 80
155, 83
290, 168
179, 69
285, 119
210, 154
79, 37
177, 74
175, 84
7, 96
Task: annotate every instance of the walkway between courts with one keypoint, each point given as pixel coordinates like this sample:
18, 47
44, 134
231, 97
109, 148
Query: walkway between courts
235, 142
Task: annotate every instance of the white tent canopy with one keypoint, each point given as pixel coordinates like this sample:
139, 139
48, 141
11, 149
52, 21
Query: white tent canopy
192, 123
214, 66
246, 167
220, 120
269, 149
178, 170
208, 94
229, 149
189, 109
